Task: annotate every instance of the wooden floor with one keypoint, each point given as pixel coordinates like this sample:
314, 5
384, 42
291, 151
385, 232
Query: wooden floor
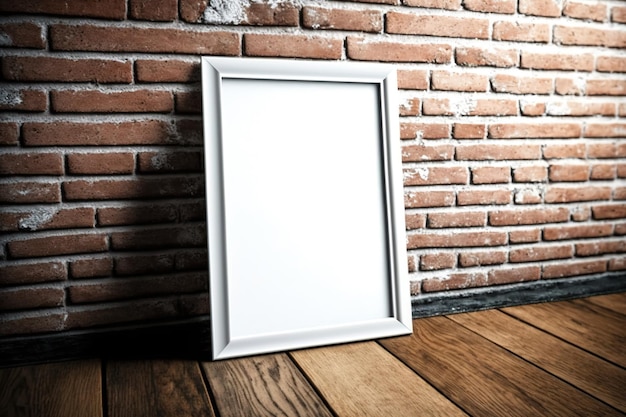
559, 359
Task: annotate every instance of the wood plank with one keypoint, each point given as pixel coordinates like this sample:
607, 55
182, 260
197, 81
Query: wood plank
485, 379
268, 385
591, 374
362, 379
146, 388
615, 302
68, 389
589, 327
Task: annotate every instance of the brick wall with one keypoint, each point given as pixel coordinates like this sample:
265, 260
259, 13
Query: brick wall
512, 125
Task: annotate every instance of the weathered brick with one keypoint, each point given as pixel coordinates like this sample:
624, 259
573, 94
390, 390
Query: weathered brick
556, 194
451, 81
31, 273
410, 107
153, 10
617, 264
424, 131
135, 39
479, 57
483, 197
292, 46
512, 84
609, 211
44, 218
580, 213
497, 152
531, 173
434, 4
524, 236
600, 248
482, 258
580, 108
191, 10
141, 188
20, 324
414, 221
165, 237
138, 101
412, 79
91, 268
528, 130
21, 99
144, 264
188, 102
100, 163
491, 175
448, 26
516, 217
570, 86
9, 133
51, 69
611, 64
411, 267
112, 9
602, 150
22, 35
548, 8
605, 130
271, 14
521, 32
585, 11
557, 61
469, 131
57, 245
435, 176
27, 298
455, 240
541, 253
26, 192
571, 269
532, 108
568, 150
366, 50
154, 162
618, 14
491, 6
586, 36
192, 259
437, 261
569, 172
167, 71
528, 196
457, 219
418, 153
417, 199
603, 172
455, 282
512, 275
31, 163
464, 106
358, 20
137, 214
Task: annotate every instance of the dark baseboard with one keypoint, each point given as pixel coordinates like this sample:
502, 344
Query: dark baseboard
191, 339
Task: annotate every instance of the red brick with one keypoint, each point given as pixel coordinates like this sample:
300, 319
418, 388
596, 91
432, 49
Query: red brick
266, 14
358, 20
585, 11
449, 81
611, 64
154, 162
137, 214
22, 35
512, 275
528, 130
618, 14
512, 84
145, 132
31, 273
27, 298
482, 258
570, 195
91, 268
126, 39
548, 8
191, 10
469, 107
57, 245
516, 217
620, 229
167, 71
188, 102
455, 240
571, 269
153, 10
569, 150
100, 163
292, 46
32, 322
14, 99
611, 211
366, 50
557, 61
570, 86
603, 172
415, 221
483, 197
144, 264
434, 4
600, 248
491, 175
579, 108
437, 261
424, 131
9, 134
432, 25
621, 171
136, 288
192, 259
521, 32
456, 219
50, 69
469, 131
138, 101
605, 130
417, 199
525, 236
455, 282
617, 264
411, 267
25, 192
419, 153
47, 218
138, 310
491, 6
112, 9
569, 172
616, 87
601, 150
435, 176
412, 79
541, 253
142, 188
168, 237
532, 173
31, 163
568, 35
480, 57
497, 152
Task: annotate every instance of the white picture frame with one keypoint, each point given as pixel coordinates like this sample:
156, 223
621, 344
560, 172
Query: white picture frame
305, 208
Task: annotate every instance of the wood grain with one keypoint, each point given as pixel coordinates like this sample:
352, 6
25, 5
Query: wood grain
591, 374
164, 388
268, 385
593, 328
362, 379
615, 302
69, 389
485, 379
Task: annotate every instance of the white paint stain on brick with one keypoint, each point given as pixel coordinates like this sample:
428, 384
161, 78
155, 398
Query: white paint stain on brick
10, 98
463, 106
5, 39
37, 218
234, 11
558, 109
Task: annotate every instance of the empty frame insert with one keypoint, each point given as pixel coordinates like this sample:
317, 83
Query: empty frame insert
304, 204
